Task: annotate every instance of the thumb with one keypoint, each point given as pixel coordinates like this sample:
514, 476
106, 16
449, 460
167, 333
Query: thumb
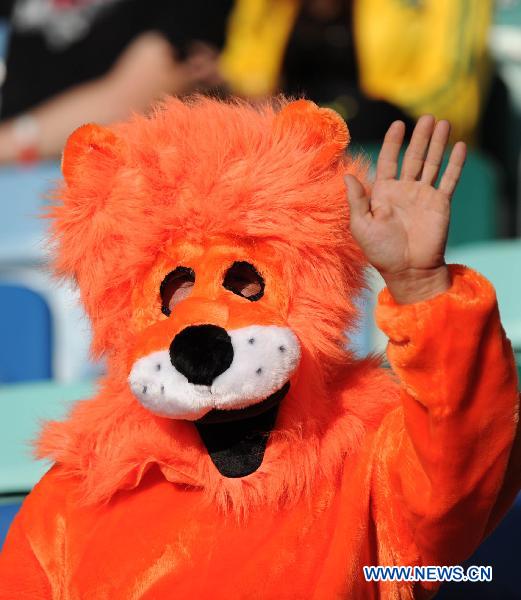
356, 197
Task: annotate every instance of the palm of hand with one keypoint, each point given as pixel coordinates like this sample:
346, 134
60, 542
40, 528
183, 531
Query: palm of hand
402, 226
409, 226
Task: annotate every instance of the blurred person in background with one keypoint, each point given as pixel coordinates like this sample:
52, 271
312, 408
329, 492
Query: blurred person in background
376, 61
321, 60
372, 60
75, 61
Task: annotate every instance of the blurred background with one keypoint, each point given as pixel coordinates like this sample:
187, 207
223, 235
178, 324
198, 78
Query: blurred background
67, 62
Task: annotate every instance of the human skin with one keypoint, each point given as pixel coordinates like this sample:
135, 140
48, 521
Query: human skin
149, 60
402, 223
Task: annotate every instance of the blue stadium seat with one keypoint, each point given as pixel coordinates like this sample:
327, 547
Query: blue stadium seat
8, 510
25, 323
24, 263
23, 407
22, 230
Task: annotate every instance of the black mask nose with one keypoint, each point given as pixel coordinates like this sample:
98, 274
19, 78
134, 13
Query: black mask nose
201, 353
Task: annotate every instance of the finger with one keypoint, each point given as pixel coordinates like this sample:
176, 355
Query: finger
450, 178
387, 165
415, 153
359, 204
437, 147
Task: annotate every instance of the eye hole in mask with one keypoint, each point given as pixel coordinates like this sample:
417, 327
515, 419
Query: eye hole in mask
244, 280
175, 288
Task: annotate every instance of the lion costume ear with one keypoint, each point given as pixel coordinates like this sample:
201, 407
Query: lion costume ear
89, 149
86, 219
318, 128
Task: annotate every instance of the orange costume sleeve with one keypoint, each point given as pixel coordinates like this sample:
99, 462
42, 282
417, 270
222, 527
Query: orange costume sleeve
424, 488
448, 465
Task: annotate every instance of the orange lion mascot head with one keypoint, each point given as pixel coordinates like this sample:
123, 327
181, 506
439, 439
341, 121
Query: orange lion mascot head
211, 246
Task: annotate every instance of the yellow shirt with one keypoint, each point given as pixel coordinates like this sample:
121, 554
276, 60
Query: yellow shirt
425, 56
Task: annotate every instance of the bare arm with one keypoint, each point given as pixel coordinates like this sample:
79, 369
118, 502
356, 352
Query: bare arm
145, 71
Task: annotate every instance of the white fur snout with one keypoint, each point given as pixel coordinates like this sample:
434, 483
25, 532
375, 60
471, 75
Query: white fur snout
264, 358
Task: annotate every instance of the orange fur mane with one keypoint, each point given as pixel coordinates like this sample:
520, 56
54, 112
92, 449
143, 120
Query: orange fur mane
271, 176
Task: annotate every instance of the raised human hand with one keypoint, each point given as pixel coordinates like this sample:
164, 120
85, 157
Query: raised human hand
402, 226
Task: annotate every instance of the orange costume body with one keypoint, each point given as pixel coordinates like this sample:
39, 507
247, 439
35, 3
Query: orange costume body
147, 498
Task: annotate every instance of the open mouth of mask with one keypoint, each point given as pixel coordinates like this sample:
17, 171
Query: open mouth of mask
230, 384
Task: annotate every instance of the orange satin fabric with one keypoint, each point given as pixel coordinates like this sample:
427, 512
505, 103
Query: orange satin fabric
423, 489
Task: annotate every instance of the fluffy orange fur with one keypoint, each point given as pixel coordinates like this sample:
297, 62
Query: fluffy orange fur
370, 480
268, 178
